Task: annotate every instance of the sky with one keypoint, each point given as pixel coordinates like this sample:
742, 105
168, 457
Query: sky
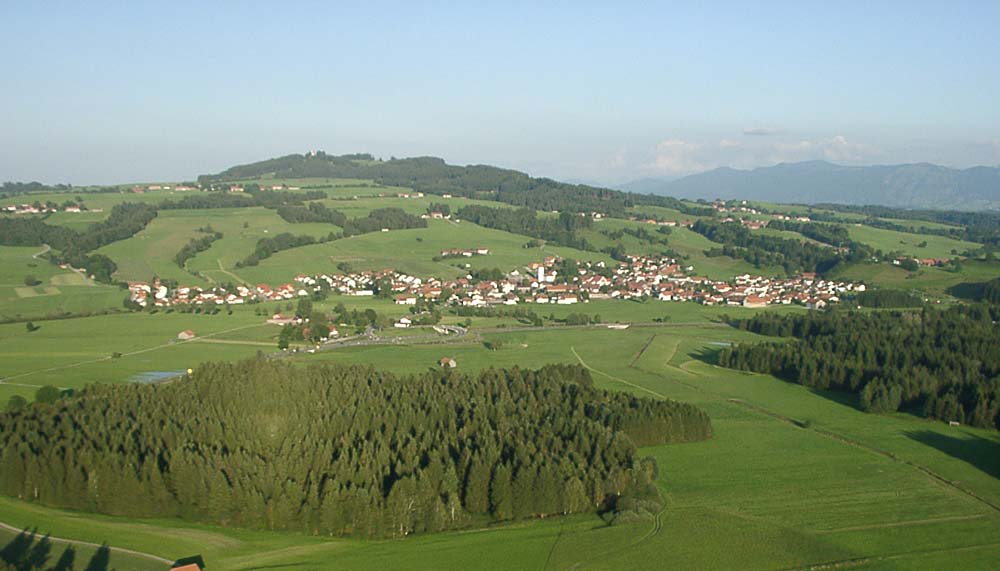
107, 92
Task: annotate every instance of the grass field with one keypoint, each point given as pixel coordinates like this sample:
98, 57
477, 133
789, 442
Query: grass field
60, 291
151, 251
690, 245
930, 281
78, 221
74, 352
410, 251
908, 244
792, 478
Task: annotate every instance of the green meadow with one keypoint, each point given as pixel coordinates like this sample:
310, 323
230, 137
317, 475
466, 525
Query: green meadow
928, 280
910, 244
70, 353
58, 292
410, 251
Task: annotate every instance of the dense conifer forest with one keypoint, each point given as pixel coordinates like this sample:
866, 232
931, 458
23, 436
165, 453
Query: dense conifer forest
942, 363
344, 450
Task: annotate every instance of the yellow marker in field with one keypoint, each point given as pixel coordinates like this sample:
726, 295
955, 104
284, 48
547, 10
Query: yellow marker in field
190, 371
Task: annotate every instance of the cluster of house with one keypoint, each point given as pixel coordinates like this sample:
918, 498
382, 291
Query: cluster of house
41, 209
744, 208
464, 253
157, 294
746, 222
722, 206
930, 262
639, 277
664, 279
670, 223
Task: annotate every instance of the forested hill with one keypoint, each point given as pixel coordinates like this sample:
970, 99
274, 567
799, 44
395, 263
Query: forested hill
344, 450
434, 176
902, 186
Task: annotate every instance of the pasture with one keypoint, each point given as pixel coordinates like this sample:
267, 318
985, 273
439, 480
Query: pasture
411, 251
910, 244
71, 353
59, 291
928, 280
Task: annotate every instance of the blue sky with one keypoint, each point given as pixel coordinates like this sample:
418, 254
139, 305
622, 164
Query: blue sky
607, 92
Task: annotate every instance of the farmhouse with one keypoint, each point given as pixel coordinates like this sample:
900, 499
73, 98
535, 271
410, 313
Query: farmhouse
279, 319
185, 335
447, 362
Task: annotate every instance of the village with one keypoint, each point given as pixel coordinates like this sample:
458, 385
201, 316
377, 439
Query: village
49, 208
638, 278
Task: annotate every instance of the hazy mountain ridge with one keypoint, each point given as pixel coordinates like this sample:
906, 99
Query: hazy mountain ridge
919, 185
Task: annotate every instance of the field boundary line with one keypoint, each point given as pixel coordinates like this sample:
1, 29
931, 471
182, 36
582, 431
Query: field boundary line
54, 539
857, 561
643, 349
229, 273
612, 377
909, 523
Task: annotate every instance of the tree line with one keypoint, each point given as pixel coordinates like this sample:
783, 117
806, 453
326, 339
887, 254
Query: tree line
761, 250
75, 248
942, 363
832, 234
433, 176
975, 226
885, 298
561, 230
196, 246
342, 450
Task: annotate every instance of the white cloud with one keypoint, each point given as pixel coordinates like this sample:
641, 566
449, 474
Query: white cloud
620, 159
761, 131
681, 157
675, 156
836, 149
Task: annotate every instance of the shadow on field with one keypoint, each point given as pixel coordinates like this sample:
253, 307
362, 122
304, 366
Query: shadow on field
27, 552
970, 291
707, 355
982, 453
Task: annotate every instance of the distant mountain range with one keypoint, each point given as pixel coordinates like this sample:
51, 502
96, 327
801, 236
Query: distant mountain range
920, 185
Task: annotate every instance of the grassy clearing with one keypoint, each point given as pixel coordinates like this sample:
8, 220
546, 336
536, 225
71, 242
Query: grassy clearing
908, 244
71, 353
60, 291
78, 221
